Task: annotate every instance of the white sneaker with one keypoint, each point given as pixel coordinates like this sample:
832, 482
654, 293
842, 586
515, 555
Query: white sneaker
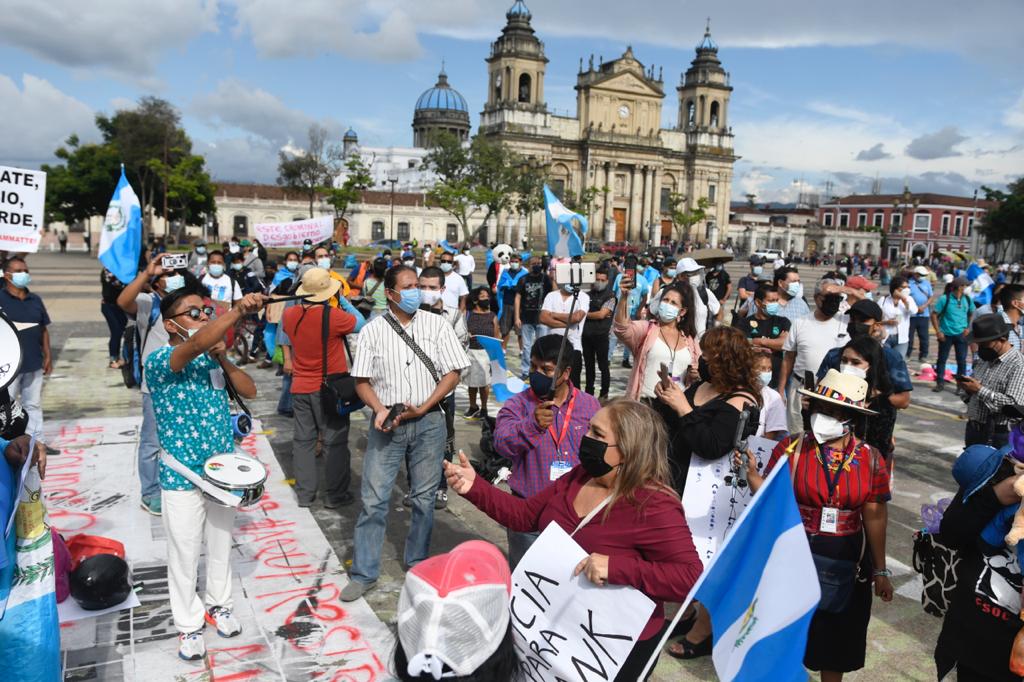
191, 646
225, 622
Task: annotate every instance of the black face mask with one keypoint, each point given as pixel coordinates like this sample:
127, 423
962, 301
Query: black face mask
484, 303
830, 305
987, 354
703, 369
536, 269
541, 384
592, 457
858, 329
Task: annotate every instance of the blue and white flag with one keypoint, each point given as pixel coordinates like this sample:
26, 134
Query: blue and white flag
447, 247
121, 240
503, 383
566, 230
982, 284
761, 589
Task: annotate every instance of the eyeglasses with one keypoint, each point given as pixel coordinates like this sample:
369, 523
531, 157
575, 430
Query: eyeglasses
195, 313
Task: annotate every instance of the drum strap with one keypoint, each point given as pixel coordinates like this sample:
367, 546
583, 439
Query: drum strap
222, 496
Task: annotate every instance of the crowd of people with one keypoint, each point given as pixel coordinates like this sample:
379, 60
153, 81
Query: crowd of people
823, 370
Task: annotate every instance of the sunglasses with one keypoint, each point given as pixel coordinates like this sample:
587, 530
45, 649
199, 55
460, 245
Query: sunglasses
196, 313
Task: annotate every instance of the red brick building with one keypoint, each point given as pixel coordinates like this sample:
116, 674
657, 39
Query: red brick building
913, 224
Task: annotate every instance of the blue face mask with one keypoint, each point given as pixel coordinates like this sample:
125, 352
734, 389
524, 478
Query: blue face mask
446, 267
795, 290
667, 312
540, 384
771, 308
173, 283
292, 265
765, 377
671, 272
757, 270
200, 250
21, 279
411, 299
216, 269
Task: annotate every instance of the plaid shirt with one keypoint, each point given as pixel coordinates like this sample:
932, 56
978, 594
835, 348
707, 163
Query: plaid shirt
532, 450
1002, 383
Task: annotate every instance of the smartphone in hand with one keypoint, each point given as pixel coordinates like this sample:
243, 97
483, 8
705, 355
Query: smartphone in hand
393, 413
663, 374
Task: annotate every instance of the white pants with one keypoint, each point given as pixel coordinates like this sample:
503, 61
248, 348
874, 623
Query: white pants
28, 388
188, 515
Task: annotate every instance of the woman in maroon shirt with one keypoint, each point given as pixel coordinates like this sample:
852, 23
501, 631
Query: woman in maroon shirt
639, 539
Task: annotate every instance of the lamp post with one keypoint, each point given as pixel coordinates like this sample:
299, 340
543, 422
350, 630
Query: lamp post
393, 180
904, 203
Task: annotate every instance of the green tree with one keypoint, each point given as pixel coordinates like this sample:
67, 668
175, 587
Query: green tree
309, 170
493, 172
190, 192
529, 191
684, 218
1004, 223
454, 191
586, 202
358, 178
81, 187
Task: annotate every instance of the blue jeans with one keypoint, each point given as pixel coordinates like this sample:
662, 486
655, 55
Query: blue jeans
284, 403
918, 326
531, 332
420, 444
957, 342
149, 450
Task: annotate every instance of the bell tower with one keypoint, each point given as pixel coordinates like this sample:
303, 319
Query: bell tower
516, 65
704, 90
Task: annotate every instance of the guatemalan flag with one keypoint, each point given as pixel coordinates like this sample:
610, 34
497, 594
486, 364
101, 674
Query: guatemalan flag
566, 229
121, 241
503, 384
761, 589
982, 284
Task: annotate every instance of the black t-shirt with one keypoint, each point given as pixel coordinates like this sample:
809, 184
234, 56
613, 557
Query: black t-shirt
717, 281
771, 328
532, 289
748, 283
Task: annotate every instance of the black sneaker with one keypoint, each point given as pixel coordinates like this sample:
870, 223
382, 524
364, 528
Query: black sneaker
471, 414
627, 364
937, 388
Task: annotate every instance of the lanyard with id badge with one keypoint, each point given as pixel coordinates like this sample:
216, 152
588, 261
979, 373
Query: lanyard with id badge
830, 514
561, 466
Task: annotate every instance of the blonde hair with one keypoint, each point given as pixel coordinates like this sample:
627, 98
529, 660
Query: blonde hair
642, 441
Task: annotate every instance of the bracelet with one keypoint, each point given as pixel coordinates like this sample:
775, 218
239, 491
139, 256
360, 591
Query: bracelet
881, 573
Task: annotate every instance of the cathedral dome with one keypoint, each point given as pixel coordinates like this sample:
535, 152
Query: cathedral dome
442, 96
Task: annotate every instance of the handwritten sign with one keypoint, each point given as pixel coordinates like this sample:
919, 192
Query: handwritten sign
568, 629
22, 196
713, 505
278, 235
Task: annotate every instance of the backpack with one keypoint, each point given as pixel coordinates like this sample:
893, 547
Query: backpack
132, 343
702, 291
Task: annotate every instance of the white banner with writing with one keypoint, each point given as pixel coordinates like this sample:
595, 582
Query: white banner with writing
22, 197
293, 233
712, 505
568, 628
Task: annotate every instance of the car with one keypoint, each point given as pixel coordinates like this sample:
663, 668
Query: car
618, 248
770, 255
393, 244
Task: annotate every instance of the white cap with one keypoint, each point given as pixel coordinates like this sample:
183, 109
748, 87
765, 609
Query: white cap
687, 265
921, 270
947, 278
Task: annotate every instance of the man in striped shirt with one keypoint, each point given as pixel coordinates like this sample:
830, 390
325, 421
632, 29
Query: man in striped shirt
540, 433
389, 372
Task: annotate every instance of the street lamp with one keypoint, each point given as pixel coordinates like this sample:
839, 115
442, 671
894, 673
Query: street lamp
393, 180
904, 203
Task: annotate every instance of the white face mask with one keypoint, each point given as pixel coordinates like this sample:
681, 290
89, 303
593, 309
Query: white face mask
853, 370
430, 296
826, 428
696, 280
189, 333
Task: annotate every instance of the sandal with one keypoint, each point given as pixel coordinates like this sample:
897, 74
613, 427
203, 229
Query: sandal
684, 625
685, 649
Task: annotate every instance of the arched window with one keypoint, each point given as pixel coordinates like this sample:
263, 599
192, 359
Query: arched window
702, 111
714, 114
403, 231
241, 225
377, 230
524, 87
691, 113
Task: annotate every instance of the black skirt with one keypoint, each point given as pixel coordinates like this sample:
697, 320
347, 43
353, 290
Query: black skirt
838, 641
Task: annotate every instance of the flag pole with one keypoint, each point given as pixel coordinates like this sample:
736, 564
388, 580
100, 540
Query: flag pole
784, 460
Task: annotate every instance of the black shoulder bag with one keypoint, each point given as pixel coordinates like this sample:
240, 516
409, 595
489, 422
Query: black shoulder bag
337, 391
449, 445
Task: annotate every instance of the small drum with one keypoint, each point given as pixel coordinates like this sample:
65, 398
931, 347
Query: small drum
238, 474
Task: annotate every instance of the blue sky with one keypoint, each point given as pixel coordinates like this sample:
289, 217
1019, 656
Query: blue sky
928, 92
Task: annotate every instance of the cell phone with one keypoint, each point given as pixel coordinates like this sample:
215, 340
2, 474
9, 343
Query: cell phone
960, 377
630, 266
393, 413
574, 273
174, 261
666, 378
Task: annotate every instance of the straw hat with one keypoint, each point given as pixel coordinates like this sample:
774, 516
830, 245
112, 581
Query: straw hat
318, 284
841, 389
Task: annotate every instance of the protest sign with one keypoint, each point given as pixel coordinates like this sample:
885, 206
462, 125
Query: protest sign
712, 505
22, 195
568, 628
280, 235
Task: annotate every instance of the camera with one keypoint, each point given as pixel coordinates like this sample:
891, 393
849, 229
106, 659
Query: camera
575, 274
174, 261
241, 424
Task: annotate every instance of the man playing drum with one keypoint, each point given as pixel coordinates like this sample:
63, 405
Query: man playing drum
187, 381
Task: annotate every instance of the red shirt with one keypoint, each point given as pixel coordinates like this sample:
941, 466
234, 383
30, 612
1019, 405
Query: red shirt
302, 325
648, 548
863, 476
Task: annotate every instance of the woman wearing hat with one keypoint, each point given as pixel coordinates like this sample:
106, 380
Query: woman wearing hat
842, 487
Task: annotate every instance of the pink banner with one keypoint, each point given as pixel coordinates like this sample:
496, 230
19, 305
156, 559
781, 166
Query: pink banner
278, 235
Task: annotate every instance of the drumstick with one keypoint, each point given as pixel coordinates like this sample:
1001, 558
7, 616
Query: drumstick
301, 297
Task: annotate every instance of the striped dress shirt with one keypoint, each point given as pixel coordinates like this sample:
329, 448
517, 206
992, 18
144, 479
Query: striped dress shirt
395, 373
1002, 383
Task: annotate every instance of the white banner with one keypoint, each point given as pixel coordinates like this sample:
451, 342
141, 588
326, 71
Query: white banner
279, 235
712, 505
22, 195
567, 628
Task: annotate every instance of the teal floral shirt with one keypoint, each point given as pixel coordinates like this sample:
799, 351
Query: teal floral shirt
193, 420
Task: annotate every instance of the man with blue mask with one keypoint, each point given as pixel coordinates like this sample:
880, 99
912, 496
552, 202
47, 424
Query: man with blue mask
26, 307
197, 259
766, 329
144, 307
792, 305
407, 362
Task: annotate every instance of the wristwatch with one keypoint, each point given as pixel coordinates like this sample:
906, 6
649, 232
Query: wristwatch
881, 572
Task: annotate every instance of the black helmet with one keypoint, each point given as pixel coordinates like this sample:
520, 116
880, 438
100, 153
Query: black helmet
100, 581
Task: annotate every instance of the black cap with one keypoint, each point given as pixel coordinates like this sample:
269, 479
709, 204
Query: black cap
988, 328
756, 260
867, 308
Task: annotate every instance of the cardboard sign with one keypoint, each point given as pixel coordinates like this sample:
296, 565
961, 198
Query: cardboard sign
712, 506
280, 235
22, 196
568, 628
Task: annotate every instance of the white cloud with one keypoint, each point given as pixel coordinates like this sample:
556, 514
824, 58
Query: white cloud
240, 159
1014, 116
373, 31
38, 118
123, 36
848, 113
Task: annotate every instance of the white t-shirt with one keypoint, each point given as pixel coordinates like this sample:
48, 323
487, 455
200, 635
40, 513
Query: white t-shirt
898, 310
701, 311
554, 302
454, 288
464, 264
812, 340
773, 413
221, 288
660, 354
